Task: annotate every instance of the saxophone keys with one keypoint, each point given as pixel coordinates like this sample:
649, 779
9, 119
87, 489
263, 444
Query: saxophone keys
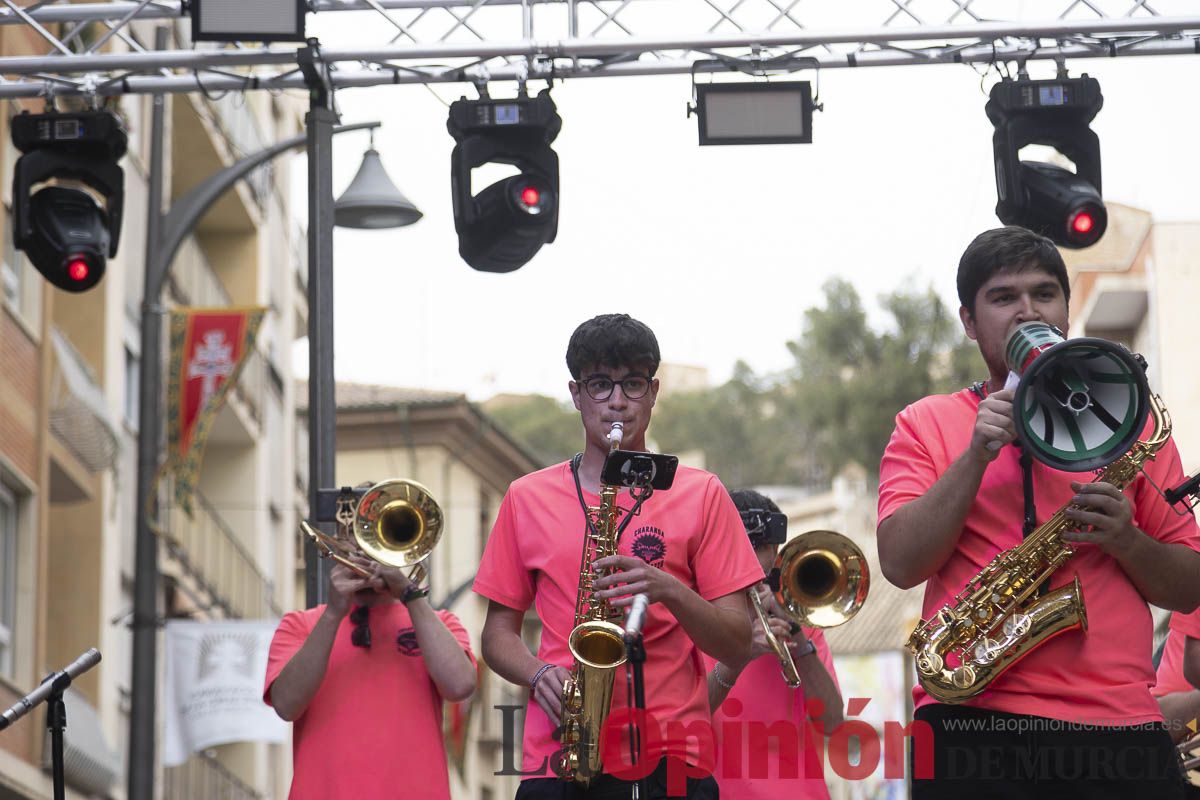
988, 650
963, 677
929, 663
1017, 626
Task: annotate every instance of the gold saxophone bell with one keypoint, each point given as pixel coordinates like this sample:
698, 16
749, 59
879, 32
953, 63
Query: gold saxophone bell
823, 581
395, 522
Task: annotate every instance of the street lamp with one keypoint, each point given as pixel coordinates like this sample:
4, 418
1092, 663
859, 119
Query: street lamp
372, 201
165, 233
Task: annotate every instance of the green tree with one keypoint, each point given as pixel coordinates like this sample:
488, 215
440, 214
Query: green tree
734, 424
548, 427
849, 382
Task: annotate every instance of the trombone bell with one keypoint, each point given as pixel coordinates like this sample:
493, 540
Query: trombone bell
397, 523
823, 579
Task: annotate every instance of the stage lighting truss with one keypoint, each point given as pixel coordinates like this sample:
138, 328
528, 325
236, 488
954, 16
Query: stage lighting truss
456, 41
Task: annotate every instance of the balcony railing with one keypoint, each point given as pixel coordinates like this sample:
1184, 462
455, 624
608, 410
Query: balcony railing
193, 281
209, 552
203, 776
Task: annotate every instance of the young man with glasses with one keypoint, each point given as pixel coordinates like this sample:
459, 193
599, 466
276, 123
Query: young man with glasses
753, 693
685, 550
363, 678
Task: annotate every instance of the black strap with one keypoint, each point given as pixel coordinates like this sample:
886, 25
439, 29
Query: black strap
587, 518
1027, 481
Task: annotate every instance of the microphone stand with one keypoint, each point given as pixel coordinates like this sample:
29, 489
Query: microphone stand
636, 657
51, 690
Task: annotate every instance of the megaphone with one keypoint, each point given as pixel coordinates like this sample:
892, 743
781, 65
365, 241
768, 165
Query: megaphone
1080, 403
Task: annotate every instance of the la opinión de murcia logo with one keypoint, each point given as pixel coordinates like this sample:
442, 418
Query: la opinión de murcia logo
853, 750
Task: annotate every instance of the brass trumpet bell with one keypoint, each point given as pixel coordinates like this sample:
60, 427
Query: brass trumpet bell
397, 523
823, 579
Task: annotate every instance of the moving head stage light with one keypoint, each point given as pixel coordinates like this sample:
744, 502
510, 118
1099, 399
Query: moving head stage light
505, 225
67, 234
1063, 205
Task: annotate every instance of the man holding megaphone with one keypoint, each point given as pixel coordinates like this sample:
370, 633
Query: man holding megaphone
1026, 711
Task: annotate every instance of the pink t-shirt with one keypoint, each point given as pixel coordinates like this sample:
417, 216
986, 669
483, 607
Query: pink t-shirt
749, 768
374, 727
1102, 676
692, 531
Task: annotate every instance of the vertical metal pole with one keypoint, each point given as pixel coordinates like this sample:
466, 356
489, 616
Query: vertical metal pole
322, 410
143, 684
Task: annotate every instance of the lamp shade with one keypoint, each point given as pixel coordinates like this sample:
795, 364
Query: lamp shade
372, 201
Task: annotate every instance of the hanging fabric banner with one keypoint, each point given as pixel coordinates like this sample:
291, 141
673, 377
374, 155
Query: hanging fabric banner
212, 692
208, 350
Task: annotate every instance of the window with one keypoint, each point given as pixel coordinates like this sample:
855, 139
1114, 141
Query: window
21, 283
8, 578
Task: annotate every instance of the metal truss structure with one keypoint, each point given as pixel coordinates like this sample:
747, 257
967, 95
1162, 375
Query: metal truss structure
374, 42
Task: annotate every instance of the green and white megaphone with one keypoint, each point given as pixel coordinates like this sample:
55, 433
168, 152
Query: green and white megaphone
1080, 403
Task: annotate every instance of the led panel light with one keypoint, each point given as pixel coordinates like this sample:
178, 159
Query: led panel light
755, 113
243, 21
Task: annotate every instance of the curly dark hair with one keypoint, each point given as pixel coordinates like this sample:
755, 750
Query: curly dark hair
612, 340
1008, 249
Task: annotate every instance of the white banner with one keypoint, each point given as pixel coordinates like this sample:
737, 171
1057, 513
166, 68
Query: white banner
213, 688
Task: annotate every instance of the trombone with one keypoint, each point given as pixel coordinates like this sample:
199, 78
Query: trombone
820, 580
395, 522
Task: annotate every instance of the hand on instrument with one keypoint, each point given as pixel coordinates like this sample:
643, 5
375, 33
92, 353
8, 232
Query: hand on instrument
548, 691
344, 584
1105, 518
993, 425
390, 580
632, 576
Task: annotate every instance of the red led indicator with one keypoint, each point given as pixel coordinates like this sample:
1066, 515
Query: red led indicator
530, 196
1082, 223
78, 270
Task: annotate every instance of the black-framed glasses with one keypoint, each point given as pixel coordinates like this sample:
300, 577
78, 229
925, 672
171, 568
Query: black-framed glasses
360, 634
634, 387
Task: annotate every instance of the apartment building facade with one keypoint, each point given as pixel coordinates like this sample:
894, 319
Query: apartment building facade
69, 421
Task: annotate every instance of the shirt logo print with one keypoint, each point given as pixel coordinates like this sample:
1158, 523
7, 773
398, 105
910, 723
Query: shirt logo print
406, 642
649, 544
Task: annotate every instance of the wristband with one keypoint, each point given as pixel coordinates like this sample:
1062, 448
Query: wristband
412, 593
717, 674
808, 649
537, 675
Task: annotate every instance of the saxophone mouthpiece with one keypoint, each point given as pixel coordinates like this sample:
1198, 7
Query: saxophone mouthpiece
617, 432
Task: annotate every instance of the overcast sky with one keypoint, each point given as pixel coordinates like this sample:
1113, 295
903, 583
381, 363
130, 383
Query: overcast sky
719, 249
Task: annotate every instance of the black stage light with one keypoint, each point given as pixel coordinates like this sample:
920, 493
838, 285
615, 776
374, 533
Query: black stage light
505, 225
1063, 205
66, 233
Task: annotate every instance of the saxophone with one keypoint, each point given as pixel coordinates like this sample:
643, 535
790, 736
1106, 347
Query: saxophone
997, 619
596, 643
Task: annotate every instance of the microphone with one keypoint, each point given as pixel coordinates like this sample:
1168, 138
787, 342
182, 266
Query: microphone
55, 682
637, 616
